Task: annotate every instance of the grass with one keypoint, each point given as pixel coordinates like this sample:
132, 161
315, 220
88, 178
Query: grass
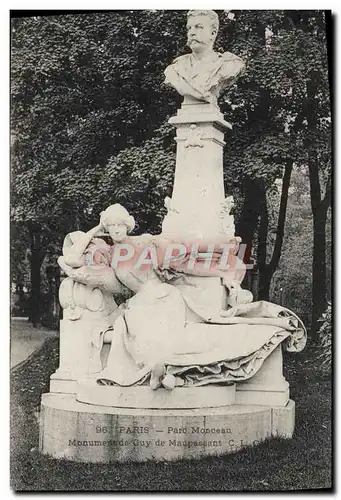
25, 339
304, 462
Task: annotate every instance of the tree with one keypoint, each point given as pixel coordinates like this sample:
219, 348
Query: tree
292, 282
317, 144
84, 87
263, 149
286, 121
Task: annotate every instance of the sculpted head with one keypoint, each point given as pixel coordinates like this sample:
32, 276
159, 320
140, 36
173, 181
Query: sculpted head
117, 222
202, 29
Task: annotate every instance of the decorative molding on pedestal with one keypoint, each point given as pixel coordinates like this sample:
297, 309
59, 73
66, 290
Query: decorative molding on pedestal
88, 391
195, 137
199, 112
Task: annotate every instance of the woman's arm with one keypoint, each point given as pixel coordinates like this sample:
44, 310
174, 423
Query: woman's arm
102, 277
73, 256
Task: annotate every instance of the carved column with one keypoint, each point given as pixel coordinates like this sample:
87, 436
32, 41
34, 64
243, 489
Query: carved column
196, 210
198, 193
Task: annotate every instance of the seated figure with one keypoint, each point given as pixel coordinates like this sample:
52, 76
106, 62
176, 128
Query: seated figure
151, 339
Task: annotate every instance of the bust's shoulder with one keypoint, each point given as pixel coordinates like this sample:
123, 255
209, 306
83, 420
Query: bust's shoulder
175, 67
181, 59
230, 57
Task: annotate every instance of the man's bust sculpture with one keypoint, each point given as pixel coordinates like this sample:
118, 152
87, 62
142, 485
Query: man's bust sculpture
203, 73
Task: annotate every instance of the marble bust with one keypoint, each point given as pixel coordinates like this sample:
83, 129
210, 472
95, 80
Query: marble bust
204, 73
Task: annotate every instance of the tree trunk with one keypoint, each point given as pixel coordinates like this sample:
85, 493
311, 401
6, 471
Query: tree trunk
267, 270
319, 208
247, 228
264, 283
35, 289
263, 279
319, 299
38, 252
52, 311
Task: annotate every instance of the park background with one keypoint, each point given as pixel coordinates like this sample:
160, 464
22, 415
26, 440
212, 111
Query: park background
89, 114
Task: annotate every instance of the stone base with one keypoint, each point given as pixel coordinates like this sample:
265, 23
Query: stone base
142, 396
90, 433
63, 382
267, 387
253, 394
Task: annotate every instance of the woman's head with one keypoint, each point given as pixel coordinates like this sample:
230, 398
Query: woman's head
117, 222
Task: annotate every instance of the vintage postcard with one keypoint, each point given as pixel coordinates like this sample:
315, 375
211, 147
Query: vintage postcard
171, 307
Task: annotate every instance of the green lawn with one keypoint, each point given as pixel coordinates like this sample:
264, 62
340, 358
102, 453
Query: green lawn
303, 462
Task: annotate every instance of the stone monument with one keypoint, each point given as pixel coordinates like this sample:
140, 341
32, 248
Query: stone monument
189, 366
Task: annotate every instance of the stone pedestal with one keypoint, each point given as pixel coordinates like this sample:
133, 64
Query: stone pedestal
86, 312
268, 387
214, 396
194, 211
76, 352
203, 290
90, 433
123, 424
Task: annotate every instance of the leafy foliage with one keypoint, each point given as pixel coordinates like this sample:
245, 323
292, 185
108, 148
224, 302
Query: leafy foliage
84, 87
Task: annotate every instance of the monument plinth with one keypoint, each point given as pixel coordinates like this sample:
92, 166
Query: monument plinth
85, 433
195, 209
189, 366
